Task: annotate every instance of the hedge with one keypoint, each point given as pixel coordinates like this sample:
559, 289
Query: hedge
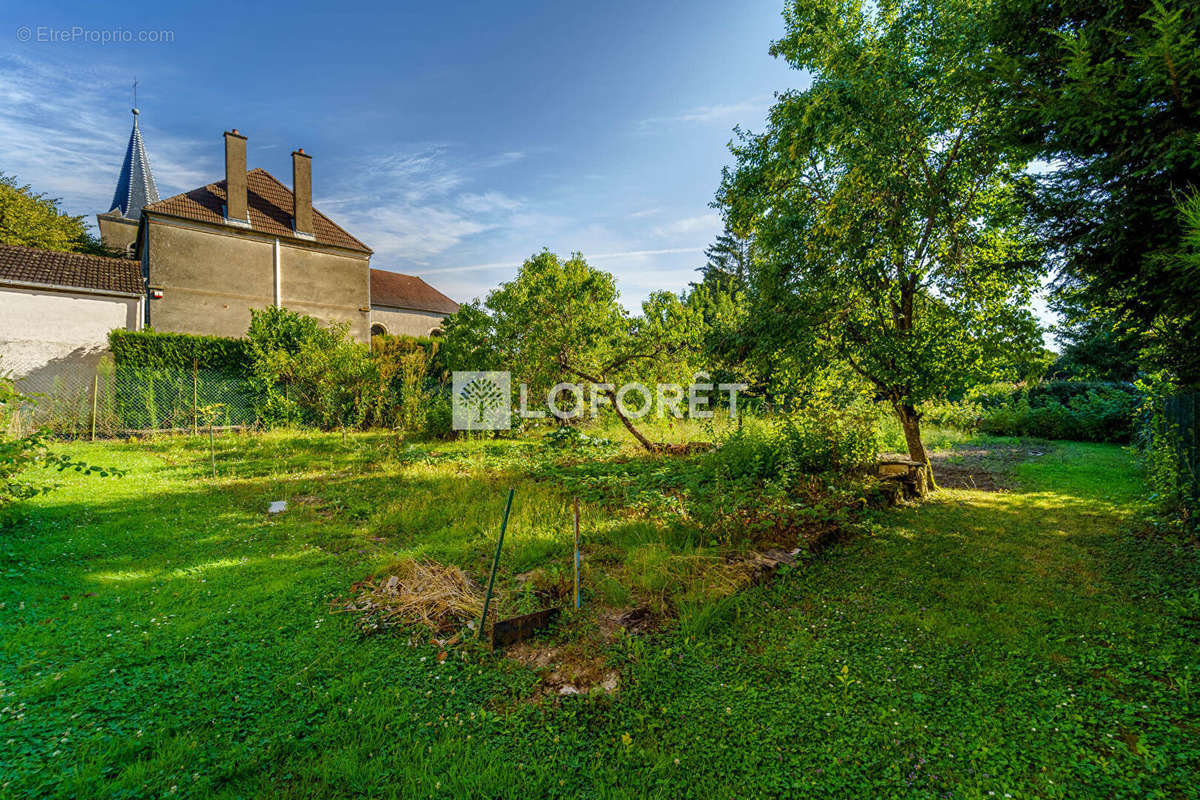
150, 349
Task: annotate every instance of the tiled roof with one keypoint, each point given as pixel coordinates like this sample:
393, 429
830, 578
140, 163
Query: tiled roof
52, 268
270, 210
408, 291
135, 184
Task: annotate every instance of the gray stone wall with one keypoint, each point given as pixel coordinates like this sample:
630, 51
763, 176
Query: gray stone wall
405, 322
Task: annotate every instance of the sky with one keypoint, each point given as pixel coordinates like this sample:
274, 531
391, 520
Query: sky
455, 139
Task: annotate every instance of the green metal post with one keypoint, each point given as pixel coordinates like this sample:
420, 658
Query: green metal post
487, 598
576, 553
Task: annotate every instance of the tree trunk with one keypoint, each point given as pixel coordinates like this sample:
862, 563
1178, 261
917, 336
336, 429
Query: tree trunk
646, 443
910, 421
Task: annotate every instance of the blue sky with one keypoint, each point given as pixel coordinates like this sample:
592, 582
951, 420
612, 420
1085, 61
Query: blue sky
453, 138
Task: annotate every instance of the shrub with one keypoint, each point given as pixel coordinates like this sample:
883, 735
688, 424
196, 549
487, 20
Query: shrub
813, 440
439, 415
1081, 410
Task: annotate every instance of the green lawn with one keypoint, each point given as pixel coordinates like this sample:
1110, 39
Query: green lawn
163, 636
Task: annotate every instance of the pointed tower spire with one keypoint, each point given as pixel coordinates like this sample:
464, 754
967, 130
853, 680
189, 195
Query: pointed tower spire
135, 185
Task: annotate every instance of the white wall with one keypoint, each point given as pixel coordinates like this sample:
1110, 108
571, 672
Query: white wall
47, 335
403, 322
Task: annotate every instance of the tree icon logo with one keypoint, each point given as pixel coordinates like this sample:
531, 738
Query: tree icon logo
481, 401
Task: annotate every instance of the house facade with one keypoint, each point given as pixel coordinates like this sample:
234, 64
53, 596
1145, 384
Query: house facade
212, 254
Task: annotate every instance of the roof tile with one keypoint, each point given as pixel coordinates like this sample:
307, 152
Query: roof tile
397, 290
270, 210
78, 270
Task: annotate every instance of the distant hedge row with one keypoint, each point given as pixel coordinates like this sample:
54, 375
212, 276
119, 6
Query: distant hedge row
179, 351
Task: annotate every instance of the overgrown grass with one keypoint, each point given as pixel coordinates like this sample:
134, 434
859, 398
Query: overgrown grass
162, 635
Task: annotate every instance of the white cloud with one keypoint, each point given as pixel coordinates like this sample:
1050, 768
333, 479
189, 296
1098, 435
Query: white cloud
717, 113
705, 226
412, 206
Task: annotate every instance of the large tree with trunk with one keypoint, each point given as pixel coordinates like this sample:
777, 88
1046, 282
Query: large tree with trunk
886, 224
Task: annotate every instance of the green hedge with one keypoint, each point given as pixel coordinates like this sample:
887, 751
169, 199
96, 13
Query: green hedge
179, 351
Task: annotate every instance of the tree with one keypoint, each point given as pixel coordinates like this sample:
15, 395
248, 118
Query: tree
559, 320
886, 224
35, 220
1106, 93
728, 264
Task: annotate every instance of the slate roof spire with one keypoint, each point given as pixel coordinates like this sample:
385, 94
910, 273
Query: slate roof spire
135, 184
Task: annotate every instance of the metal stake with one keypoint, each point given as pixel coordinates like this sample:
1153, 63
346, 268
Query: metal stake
487, 598
95, 389
576, 553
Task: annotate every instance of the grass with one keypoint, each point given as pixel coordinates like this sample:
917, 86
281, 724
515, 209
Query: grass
161, 635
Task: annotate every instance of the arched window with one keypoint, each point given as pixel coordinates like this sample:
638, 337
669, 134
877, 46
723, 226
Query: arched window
435, 332
378, 330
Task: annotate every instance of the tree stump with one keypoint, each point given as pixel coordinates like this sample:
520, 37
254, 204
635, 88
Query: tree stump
912, 476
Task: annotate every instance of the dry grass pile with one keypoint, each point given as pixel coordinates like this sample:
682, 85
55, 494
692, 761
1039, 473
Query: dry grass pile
411, 592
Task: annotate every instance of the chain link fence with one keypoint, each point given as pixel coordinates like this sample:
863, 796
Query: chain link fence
108, 401
1183, 416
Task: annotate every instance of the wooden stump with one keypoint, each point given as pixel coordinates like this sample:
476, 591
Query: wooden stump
912, 476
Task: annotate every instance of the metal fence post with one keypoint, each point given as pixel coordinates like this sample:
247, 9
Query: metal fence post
195, 398
95, 391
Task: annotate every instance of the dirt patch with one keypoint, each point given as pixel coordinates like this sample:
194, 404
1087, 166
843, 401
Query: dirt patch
576, 667
987, 468
685, 449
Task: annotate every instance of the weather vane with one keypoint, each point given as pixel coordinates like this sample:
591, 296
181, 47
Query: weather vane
135, 110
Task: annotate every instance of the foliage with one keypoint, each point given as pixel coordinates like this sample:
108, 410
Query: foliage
22, 453
469, 340
1168, 447
810, 441
1104, 94
727, 268
276, 339
887, 225
570, 437
150, 349
1095, 346
31, 219
405, 365
1097, 411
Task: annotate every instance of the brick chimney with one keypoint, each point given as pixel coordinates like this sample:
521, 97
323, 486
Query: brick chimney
235, 177
302, 209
